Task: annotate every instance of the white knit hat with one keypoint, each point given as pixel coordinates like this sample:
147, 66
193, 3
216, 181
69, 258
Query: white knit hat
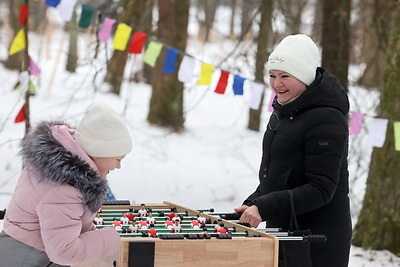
102, 133
297, 55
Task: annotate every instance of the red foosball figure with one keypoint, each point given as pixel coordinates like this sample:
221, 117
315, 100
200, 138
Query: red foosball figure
168, 223
143, 224
222, 229
131, 216
152, 232
98, 220
195, 224
116, 224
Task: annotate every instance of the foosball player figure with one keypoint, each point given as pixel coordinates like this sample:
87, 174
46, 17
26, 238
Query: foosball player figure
98, 220
195, 224
173, 213
124, 219
222, 229
150, 219
142, 212
131, 216
116, 224
152, 232
176, 228
133, 228
143, 223
217, 226
168, 223
201, 218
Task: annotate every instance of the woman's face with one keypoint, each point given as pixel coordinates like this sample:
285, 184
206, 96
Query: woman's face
105, 165
286, 86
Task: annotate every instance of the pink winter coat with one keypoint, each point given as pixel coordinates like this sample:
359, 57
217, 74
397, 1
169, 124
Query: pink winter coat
57, 197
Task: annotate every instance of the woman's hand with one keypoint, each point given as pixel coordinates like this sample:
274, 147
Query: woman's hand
250, 215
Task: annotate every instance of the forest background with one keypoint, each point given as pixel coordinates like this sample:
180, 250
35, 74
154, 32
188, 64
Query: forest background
360, 44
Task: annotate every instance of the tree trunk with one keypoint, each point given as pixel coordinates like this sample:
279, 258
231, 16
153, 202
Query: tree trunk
261, 58
336, 38
375, 36
166, 104
14, 62
72, 57
135, 13
378, 225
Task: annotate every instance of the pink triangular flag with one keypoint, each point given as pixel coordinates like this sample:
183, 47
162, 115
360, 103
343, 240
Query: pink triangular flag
33, 68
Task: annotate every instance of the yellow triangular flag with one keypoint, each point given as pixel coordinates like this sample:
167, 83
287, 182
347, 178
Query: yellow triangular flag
121, 36
396, 126
205, 74
152, 52
19, 43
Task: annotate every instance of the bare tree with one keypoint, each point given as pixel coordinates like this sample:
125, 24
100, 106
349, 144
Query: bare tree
336, 38
261, 57
166, 104
378, 223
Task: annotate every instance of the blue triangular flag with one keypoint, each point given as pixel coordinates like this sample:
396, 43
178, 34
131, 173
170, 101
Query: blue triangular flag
238, 85
53, 3
170, 60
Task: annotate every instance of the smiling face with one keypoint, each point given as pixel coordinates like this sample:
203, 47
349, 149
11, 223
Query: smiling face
286, 86
105, 165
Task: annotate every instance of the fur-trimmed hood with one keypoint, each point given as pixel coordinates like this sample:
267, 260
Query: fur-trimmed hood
57, 164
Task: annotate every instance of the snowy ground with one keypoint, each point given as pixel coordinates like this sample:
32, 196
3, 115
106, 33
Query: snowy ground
213, 163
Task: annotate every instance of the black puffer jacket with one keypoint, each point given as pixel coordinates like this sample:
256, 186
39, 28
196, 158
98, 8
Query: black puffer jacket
305, 150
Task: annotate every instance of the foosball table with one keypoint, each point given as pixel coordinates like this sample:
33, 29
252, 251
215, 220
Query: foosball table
190, 245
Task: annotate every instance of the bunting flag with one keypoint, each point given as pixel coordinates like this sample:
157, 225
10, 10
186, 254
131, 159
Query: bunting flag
23, 14
205, 74
33, 68
152, 53
377, 132
21, 115
105, 31
86, 16
170, 61
271, 101
238, 83
256, 90
186, 69
122, 36
396, 126
52, 3
23, 79
137, 43
222, 82
66, 9
19, 43
356, 123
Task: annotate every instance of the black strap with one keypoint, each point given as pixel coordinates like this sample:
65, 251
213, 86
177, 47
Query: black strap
293, 218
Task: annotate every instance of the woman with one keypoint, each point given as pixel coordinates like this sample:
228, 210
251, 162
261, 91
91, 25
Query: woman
49, 220
303, 173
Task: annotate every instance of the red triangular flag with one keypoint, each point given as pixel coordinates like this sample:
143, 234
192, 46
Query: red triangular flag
21, 115
222, 83
137, 42
23, 14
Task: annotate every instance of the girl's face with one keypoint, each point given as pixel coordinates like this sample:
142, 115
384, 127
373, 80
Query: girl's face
105, 165
286, 86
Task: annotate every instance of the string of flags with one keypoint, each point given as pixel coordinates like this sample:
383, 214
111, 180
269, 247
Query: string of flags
135, 44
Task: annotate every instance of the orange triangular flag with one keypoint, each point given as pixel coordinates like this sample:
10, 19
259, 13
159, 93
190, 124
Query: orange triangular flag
19, 43
21, 115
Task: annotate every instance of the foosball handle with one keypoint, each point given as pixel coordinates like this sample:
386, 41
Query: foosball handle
230, 216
